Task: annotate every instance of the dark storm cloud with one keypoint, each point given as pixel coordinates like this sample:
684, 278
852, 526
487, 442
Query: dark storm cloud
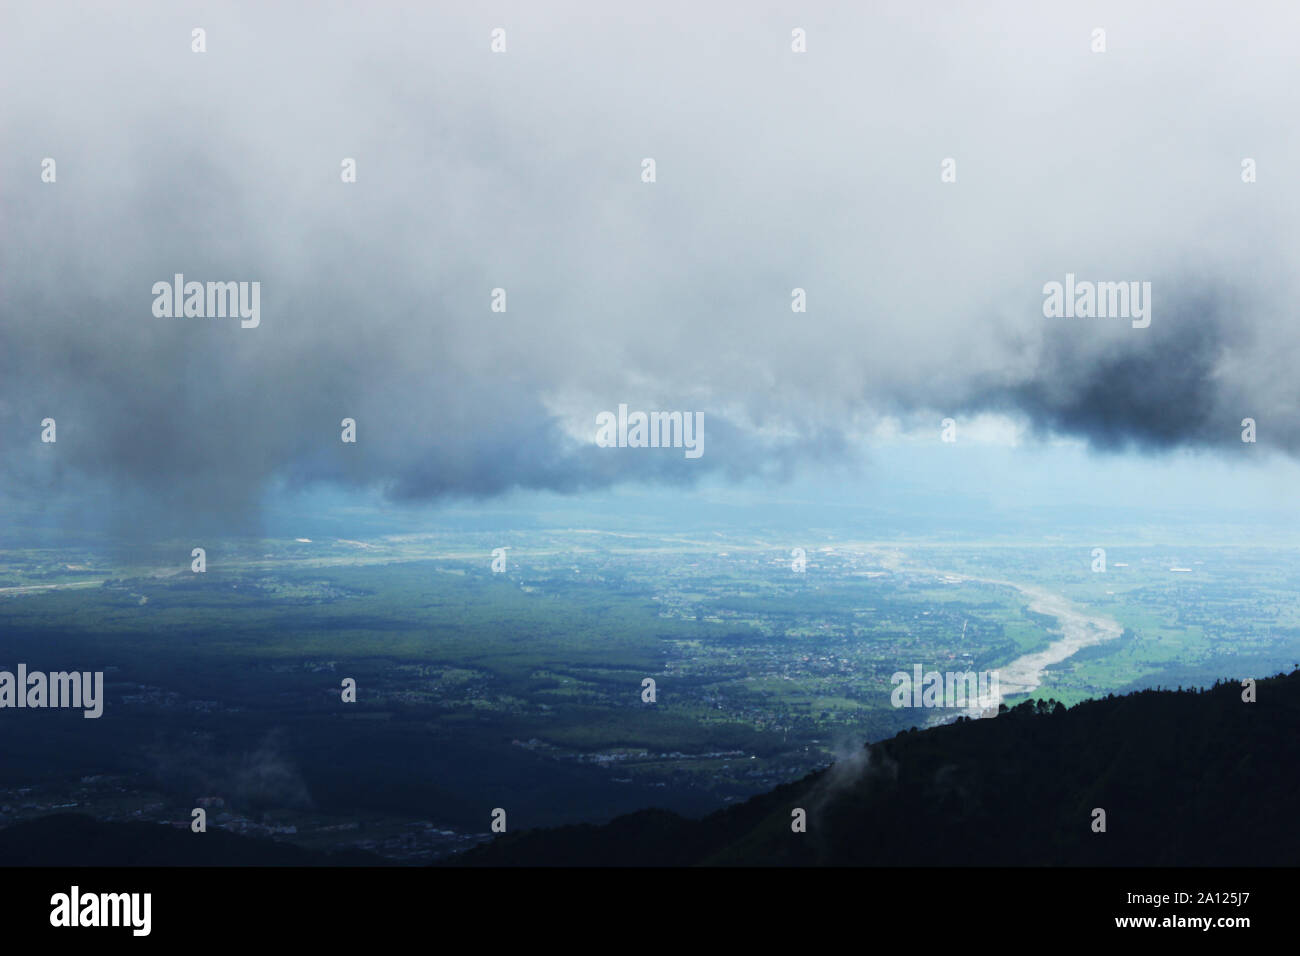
521, 171
1154, 391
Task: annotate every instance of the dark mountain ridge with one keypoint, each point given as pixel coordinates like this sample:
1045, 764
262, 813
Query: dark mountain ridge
1185, 778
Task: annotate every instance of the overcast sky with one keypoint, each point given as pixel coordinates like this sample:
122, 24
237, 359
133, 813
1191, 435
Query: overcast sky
522, 170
